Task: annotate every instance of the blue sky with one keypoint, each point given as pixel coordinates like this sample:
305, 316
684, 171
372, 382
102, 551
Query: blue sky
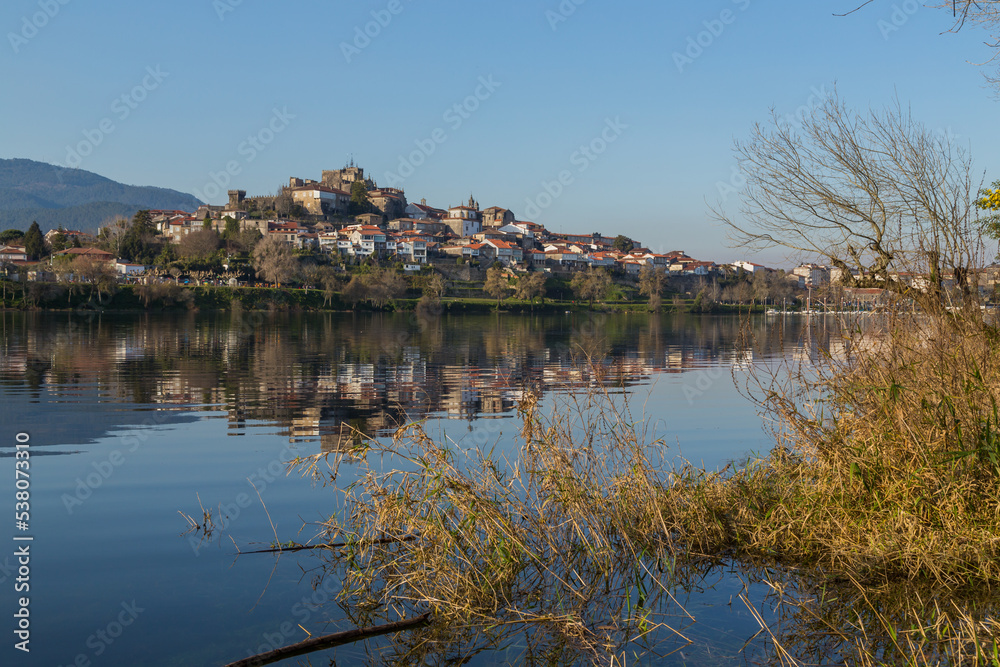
171, 94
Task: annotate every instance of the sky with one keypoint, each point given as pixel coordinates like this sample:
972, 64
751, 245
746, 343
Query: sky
582, 115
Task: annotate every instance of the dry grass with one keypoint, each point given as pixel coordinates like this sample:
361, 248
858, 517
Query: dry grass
566, 537
893, 473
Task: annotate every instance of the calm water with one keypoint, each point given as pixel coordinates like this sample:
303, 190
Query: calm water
134, 420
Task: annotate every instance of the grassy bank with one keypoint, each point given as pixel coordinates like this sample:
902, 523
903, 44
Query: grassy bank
166, 297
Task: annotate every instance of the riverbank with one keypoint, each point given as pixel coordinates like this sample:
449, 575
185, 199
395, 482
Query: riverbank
137, 298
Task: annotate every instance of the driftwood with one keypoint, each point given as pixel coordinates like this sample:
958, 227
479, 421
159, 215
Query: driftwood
329, 641
336, 545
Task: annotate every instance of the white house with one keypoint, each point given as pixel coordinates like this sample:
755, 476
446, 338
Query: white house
814, 274
13, 253
749, 267
414, 249
464, 220
128, 269
504, 251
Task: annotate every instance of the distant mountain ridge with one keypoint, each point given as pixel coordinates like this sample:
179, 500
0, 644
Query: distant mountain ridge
74, 198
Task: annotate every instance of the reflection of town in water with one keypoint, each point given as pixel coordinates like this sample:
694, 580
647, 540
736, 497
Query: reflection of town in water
333, 377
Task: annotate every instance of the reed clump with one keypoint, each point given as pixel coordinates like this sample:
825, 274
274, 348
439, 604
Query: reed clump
887, 462
565, 535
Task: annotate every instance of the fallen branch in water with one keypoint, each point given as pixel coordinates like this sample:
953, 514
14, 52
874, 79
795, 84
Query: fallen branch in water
329, 641
336, 545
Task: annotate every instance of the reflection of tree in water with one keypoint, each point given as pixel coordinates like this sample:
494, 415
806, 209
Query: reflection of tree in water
310, 373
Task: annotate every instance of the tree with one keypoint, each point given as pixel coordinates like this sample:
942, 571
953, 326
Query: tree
385, 285
984, 13
591, 285
989, 200
246, 240
112, 234
356, 290
199, 244
274, 259
11, 236
360, 203
284, 203
434, 286
531, 285
168, 253
5, 267
326, 278
379, 287
34, 242
623, 243
761, 286
138, 244
651, 283
207, 222
873, 194
59, 241
98, 273
496, 284
232, 228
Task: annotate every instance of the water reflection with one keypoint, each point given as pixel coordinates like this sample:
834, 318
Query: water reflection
320, 381
332, 377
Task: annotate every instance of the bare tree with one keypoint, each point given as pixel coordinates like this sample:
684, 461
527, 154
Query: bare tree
435, 286
378, 287
98, 273
982, 13
652, 280
592, 284
112, 234
875, 195
965, 13
496, 284
274, 259
761, 286
284, 203
199, 244
531, 285
385, 285
326, 277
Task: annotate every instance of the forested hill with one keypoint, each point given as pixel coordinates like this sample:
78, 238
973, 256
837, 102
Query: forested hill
74, 198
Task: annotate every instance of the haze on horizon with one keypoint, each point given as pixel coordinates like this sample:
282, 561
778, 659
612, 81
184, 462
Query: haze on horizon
577, 114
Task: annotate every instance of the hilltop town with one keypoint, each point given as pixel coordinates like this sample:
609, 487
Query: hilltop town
344, 221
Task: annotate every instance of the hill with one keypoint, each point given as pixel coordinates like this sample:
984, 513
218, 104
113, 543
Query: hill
74, 198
